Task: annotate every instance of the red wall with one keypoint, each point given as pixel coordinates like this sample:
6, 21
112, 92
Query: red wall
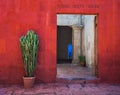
18, 16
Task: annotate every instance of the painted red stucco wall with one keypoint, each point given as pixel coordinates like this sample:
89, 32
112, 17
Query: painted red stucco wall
18, 16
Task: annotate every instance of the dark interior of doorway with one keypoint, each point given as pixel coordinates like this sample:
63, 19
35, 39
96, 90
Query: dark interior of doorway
64, 37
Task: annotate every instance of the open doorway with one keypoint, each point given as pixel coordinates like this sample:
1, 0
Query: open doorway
64, 38
81, 32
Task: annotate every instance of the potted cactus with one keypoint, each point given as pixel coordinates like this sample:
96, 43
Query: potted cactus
29, 49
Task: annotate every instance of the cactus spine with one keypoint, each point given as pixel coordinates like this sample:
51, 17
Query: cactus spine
29, 48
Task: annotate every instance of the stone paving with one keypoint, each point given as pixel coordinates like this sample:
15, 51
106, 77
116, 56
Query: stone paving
62, 89
73, 71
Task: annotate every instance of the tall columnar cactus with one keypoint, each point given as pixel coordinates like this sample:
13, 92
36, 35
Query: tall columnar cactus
29, 48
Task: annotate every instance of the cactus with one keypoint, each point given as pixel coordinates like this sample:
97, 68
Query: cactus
29, 49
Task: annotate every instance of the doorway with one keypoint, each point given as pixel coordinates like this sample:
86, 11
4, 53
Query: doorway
83, 37
64, 38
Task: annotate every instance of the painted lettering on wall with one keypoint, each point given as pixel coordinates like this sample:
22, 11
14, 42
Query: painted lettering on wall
79, 6
63, 6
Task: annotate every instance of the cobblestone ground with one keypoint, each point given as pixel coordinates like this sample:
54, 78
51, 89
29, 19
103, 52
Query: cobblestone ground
61, 89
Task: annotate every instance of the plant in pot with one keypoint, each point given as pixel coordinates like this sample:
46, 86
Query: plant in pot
29, 49
82, 60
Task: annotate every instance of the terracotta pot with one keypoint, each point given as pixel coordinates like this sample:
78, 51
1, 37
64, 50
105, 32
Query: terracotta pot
28, 82
82, 64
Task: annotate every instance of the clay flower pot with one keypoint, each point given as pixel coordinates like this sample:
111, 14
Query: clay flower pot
82, 64
28, 82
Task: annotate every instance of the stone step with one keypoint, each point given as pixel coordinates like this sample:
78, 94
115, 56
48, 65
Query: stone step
78, 80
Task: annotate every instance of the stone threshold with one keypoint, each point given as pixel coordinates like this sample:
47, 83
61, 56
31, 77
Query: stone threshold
78, 80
